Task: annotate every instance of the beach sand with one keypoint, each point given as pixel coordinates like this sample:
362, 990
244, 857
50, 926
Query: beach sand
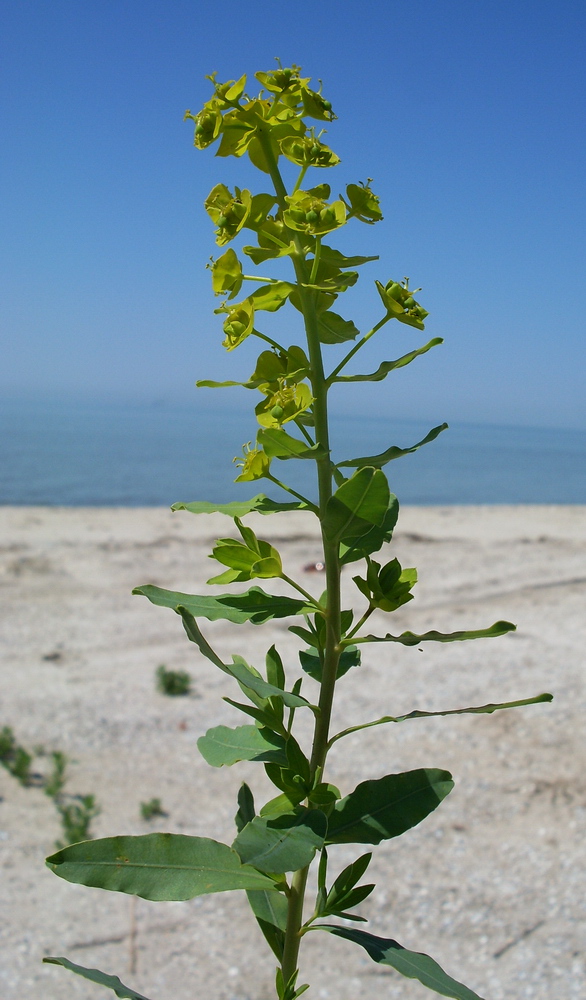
492, 884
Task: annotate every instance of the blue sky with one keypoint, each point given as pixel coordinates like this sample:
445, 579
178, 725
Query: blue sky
468, 115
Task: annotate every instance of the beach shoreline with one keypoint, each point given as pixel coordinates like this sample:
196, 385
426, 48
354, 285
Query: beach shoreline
492, 884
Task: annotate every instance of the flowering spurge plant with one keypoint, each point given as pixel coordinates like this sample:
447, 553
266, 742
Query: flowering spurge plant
308, 817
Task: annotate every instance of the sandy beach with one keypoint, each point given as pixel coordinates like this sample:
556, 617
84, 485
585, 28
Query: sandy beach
492, 884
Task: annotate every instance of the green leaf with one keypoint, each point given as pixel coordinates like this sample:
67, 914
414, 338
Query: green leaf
373, 538
251, 679
278, 444
270, 910
312, 665
330, 256
411, 964
478, 710
333, 329
410, 639
383, 808
260, 504
246, 810
389, 366
282, 843
224, 746
363, 500
271, 297
253, 606
275, 669
157, 866
387, 456
102, 978
343, 893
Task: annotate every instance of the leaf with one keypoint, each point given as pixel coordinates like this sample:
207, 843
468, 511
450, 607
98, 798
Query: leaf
271, 297
278, 444
387, 456
246, 811
389, 366
157, 866
410, 639
333, 329
312, 665
383, 808
238, 508
330, 256
270, 910
252, 606
343, 893
249, 679
411, 964
223, 746
373, 538
282, 843
102, 978
363, 500
478, 710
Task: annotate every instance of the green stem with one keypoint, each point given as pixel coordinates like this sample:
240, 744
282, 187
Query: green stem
304, 593
356, 348
319, 386
305, 433
294, 493
359, 624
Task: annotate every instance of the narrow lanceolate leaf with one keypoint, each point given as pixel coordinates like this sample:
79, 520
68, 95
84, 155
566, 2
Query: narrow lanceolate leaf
95, 976
270, 910
478, 710
260, 504
411, 639
157, 866
282, 843
223, 746
386, 807
377, 461
389, 366
412, 964
253, 606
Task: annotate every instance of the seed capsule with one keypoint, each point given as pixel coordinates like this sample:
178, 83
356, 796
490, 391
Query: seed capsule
222, 221
311, 216
409, 302
277, 412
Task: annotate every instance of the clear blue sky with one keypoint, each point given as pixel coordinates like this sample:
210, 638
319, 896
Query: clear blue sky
468, 114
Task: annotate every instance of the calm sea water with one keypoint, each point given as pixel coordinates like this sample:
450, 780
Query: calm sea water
112, 453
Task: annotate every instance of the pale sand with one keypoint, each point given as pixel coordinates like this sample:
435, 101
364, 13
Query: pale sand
492, 884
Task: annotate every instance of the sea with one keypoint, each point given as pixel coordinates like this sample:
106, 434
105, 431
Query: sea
103, 452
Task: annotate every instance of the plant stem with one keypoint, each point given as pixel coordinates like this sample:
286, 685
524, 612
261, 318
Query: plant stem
356, 348
319, 386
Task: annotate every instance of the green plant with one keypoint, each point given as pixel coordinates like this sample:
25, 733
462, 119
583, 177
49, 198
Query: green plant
75, 811
152, 808
56, 780
76, 816
15, 758
309, 816
172, 682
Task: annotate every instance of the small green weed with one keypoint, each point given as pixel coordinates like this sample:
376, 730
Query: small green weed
76, 817
172, 682
15, 758
152, 808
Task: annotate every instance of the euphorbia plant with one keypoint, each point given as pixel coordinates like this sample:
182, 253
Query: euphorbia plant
309, 816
